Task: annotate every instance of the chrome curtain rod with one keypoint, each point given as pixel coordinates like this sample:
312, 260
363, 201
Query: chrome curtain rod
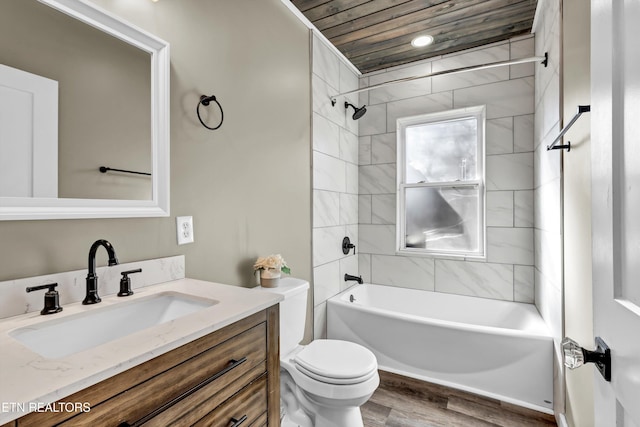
542, 59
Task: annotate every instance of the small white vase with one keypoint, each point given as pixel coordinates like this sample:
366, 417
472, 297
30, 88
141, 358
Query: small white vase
269, 278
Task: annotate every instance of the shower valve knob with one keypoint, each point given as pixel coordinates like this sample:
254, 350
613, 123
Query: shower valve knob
347, 246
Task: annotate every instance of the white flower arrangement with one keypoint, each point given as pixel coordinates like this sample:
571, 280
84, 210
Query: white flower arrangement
272, 262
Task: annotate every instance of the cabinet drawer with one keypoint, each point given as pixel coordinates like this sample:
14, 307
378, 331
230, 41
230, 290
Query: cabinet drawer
192, 408
243, 409
261, 421
221, 364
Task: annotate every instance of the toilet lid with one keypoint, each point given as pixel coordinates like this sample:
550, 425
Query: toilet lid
337, 362
336, 381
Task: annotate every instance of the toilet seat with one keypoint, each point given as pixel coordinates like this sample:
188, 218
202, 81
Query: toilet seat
335, 381
336, 362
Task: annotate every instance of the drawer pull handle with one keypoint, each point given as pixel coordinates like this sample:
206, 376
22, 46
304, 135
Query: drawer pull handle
230, 366
237, 421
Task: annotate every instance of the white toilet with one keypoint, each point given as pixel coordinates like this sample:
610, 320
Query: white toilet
323, 383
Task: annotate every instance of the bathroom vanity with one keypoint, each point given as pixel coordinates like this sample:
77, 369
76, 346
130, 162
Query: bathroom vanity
216, 366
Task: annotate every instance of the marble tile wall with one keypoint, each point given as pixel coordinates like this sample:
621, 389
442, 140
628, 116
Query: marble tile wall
335, 179
72, 284
548, 184
508, 92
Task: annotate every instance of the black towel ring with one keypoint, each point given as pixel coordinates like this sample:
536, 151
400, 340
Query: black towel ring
205, 100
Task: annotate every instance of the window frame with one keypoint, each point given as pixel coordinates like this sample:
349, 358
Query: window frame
477, 112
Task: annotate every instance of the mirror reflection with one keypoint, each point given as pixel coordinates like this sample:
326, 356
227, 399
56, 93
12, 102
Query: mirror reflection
72, 99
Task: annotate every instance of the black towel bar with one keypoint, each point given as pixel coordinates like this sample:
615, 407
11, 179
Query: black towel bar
581, 109
105, 169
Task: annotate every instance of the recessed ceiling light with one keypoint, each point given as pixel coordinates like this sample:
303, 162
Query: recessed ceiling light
421, 41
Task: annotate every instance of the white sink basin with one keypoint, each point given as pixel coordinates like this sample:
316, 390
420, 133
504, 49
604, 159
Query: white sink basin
68, 335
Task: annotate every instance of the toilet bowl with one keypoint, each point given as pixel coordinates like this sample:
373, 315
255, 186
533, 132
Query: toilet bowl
324, 383
332, 380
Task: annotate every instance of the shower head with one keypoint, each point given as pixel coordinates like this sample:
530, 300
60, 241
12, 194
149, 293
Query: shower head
359, 112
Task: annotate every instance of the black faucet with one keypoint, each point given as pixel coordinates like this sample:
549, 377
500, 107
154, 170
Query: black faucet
51, 298
92, 296
348, 277
125, 282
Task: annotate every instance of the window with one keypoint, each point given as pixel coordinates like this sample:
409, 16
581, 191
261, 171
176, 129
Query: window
441, 183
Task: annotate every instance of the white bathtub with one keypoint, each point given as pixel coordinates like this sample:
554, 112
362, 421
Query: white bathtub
499, 349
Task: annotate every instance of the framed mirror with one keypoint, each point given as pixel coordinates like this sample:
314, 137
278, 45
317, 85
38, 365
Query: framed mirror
81, 90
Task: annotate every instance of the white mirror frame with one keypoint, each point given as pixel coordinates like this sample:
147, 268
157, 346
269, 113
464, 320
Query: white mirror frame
19, 208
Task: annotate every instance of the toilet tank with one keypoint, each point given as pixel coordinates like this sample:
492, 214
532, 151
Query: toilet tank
293, 311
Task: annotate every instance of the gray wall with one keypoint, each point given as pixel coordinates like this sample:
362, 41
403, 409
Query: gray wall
247, 185
507, 92
578, 313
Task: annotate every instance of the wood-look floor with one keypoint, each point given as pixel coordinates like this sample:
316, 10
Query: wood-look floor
406, 402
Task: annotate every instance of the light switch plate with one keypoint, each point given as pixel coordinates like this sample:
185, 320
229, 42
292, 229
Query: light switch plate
184, 229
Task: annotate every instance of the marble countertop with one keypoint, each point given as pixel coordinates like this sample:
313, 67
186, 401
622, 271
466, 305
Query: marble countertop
26, 378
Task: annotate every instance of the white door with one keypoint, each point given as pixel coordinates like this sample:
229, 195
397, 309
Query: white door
615, 146
28, 134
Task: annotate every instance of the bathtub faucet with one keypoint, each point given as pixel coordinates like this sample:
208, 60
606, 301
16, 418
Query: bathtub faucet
348, 277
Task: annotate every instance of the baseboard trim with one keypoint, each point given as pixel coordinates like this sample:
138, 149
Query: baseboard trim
561, 419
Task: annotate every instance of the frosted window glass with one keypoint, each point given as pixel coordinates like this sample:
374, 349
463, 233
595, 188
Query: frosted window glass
441, 151
442, 218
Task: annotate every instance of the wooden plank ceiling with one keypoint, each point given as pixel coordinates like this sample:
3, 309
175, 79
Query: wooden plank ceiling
377, 34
